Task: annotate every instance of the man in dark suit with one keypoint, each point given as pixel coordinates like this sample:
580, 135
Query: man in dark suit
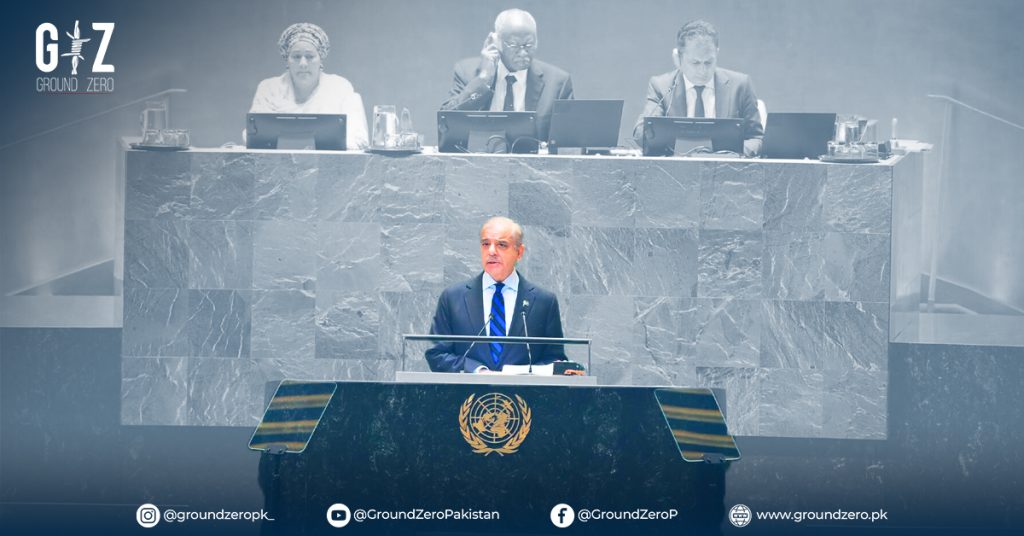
699, 88
506, 77
495, 303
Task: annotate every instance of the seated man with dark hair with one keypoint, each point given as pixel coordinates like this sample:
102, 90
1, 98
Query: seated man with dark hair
699, 88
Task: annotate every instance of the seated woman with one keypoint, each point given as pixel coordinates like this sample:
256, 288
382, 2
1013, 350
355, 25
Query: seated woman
305, 89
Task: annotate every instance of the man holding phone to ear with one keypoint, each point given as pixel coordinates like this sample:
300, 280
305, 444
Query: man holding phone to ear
505, 77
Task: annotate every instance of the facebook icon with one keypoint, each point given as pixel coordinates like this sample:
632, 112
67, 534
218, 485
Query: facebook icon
562, 515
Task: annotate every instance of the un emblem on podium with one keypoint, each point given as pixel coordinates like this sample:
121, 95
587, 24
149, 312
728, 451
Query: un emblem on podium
494, 423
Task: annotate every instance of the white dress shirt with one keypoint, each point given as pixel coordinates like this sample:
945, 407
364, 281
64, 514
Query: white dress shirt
518, 90
708, 96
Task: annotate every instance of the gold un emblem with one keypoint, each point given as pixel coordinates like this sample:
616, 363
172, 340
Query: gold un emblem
494, 423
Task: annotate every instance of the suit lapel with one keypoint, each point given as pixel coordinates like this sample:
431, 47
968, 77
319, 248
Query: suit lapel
721, 95
678, 108
534, 86
525, 292
474, 299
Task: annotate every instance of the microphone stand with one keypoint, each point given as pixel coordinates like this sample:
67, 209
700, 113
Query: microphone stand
479, 333
526, 331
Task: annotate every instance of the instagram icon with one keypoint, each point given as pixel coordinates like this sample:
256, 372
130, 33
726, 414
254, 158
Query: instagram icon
148, 515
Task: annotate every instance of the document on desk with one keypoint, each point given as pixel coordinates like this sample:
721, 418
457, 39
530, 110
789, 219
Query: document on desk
538, 370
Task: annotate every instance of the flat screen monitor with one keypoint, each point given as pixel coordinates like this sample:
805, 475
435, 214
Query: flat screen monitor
798, 135
295, 131
486, 132
585, 123
690, 136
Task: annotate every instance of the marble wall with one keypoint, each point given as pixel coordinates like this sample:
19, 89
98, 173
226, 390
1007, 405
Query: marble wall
769, 279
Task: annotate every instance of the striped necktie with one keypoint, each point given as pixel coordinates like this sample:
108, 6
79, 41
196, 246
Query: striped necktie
497, 321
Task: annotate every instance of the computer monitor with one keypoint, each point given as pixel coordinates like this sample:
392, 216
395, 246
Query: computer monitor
585, 123
685, 136
798, 135
295, 131
486, 132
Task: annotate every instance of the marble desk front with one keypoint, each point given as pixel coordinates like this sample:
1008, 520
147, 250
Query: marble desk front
770, 279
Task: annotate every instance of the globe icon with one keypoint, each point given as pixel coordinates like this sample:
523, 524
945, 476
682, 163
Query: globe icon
494, 418
739, 515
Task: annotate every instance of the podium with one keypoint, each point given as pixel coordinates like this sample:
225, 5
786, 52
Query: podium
425, 447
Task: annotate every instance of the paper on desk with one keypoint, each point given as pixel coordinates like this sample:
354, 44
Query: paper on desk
912, 146
538, 370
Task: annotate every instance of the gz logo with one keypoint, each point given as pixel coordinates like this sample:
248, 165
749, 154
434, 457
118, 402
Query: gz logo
51, 48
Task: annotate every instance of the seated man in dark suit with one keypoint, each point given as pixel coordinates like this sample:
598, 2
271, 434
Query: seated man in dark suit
699, 88
506, 77
494, 302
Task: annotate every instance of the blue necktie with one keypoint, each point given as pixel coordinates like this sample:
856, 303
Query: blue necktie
497, 321
698, 109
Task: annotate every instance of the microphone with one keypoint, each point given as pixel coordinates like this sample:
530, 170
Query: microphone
529, 354
479, 333
661, 101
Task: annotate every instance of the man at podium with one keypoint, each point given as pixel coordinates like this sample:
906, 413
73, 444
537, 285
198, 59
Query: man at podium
495, 303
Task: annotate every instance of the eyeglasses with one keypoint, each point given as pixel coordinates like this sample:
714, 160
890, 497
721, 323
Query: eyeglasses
525, 47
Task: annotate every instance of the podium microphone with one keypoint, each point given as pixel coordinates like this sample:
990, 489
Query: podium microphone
479, 333
529, 354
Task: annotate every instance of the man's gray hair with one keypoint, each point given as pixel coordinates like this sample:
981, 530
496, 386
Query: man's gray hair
514, 14
517, 230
